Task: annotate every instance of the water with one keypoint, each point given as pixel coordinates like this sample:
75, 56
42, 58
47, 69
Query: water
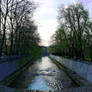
39, 84
43, 75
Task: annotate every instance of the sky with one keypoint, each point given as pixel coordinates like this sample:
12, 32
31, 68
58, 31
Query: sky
46, 16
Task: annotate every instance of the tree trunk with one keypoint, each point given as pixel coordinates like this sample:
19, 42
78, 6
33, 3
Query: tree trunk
0, 27
91, 54
4, 31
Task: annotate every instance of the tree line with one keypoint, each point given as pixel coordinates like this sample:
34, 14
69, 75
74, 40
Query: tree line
73, 38
18, 32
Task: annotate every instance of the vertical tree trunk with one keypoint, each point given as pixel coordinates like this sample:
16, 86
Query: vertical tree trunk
81, 52
11, 19
3, 43
91, 53
0, 27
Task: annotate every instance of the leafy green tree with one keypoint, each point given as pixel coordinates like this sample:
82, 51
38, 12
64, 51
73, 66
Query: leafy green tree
18, 31
70, 38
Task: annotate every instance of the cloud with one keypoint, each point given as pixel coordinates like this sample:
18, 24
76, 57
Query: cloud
88, 5
46, 17
90, 9
47, 28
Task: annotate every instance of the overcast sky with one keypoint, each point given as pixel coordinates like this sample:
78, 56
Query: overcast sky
46, 16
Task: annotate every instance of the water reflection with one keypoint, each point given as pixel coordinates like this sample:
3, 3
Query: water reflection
43, 75
45, 63
39, 84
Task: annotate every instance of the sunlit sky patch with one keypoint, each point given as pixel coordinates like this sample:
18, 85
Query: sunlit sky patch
46, 16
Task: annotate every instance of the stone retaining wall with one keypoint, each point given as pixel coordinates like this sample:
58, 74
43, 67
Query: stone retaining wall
8, 68
12, 57
82, 69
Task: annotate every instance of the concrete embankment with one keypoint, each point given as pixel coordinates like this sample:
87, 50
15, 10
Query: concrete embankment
10, 58
83, 69
9, 70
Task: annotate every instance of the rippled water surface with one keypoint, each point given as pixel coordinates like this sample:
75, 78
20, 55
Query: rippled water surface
43, 75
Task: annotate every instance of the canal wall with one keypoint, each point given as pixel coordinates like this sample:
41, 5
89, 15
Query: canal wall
9, 70
11, 57
83, 69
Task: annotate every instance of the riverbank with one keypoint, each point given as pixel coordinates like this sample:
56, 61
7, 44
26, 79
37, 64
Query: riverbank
45, 75
11, 58
84, 70
10, 70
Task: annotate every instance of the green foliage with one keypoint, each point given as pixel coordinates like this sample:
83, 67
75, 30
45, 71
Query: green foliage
36, 51
74, 35
18, 33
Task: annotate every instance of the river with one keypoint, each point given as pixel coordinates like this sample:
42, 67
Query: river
43, 75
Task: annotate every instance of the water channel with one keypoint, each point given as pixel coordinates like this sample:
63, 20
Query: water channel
43, 75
